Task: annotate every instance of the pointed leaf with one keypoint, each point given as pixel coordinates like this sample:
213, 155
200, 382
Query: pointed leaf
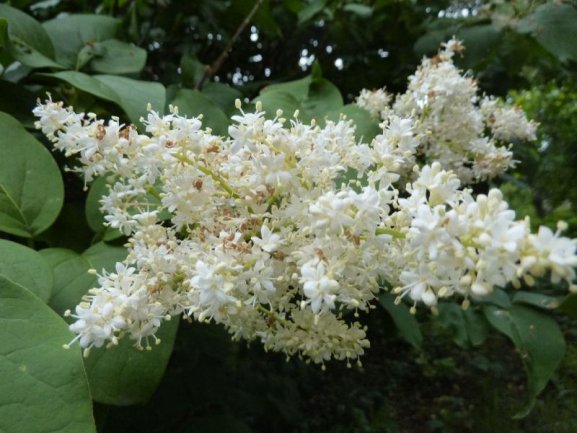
44, 387
71, 33
406, 323
192, 103
26, 267
27, 40
123, 375
539, 341
134, 95
118, 58
71, 277
119, 375
31, 187
553, 25
537, 300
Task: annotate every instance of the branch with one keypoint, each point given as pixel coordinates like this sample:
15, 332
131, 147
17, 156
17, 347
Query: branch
210, 70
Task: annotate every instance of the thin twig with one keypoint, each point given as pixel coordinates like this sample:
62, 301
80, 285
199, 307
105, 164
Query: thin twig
210, 70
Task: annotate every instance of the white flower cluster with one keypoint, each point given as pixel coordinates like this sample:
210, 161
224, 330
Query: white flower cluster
284, 231
466, 133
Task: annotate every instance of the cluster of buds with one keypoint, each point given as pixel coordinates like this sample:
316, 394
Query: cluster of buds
464, 132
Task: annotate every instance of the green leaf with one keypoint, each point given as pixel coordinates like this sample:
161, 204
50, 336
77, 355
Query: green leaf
192, 70
479, 40
123, 375
26, 267
44, 387
71, 33
405, 322
273, 101
27, 40
71, 277
118, 58
31, 188
86, 83
539, 341
322, 98
297, 88
120, 375
536, 300
131, 95
313, 96
134, 95
366, 128
569, 306
553, 25
94, 216
192, 103
497, 297
469, 328
222, 95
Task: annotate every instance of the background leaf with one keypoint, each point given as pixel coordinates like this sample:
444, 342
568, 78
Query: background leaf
123, 375
71, 278
405, 322
120, 375
44, 387
26, 267
28, 41
192, 103
132, 96
539, 341
71, 33
553, 25
31, 188
118, 58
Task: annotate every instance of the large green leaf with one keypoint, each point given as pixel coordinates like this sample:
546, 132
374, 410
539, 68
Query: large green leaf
569, 306
123, 375
31, 188
223, 95
135, 95
119, 375
468, 327
313, 96
194, 103
537, 300
298, 88
118, 57
405, 322
86, 83
539, 341
322, 98
132, 96
71, 33
26, 267
44, 387
273, 101
71, 277
27, 41
553, 25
